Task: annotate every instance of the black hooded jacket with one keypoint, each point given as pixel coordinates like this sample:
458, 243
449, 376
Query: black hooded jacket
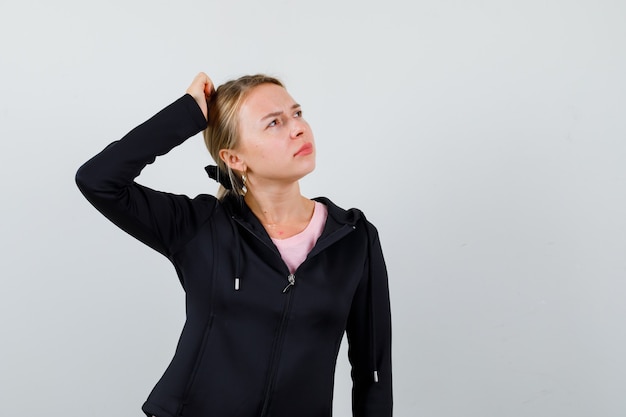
257, 341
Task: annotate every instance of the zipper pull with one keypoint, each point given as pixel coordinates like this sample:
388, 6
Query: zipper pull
292, 282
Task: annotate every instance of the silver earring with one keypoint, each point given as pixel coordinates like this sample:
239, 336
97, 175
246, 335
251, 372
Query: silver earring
243, 183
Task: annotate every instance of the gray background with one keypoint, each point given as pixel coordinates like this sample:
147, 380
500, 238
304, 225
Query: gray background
485, 139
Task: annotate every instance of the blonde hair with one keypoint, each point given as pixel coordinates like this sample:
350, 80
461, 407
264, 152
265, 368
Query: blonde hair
222, 131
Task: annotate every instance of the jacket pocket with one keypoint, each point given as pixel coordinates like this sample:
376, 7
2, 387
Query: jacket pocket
196, 367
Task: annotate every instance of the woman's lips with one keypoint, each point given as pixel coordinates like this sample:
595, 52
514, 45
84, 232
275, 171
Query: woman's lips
306, 149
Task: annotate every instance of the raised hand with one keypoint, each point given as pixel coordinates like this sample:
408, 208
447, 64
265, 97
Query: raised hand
201, 89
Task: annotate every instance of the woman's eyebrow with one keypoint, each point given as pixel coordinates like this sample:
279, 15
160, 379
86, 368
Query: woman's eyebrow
278, 113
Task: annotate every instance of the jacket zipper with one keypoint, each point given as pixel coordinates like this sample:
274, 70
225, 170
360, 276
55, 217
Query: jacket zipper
277, 348
292, 281
278, 340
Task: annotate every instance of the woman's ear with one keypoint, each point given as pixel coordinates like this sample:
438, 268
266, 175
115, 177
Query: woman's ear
232, 159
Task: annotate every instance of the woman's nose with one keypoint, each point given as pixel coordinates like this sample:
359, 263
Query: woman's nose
297, 129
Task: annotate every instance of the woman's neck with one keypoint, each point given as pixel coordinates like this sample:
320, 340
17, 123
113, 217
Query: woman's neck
283, 212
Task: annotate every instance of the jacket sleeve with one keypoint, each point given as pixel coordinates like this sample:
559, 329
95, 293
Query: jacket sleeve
369, 337
158, 219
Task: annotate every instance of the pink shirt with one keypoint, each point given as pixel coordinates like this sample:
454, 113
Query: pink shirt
295, 249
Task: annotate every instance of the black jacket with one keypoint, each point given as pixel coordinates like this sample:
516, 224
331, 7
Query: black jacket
253, 344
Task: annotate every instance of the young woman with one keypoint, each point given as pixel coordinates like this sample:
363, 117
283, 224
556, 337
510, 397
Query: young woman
272, 279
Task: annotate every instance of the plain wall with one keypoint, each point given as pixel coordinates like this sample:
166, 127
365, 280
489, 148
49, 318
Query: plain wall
485, 139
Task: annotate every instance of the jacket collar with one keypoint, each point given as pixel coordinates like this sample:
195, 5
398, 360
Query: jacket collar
338, 223
340, 216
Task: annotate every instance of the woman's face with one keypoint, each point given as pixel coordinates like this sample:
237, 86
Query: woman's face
275, 142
